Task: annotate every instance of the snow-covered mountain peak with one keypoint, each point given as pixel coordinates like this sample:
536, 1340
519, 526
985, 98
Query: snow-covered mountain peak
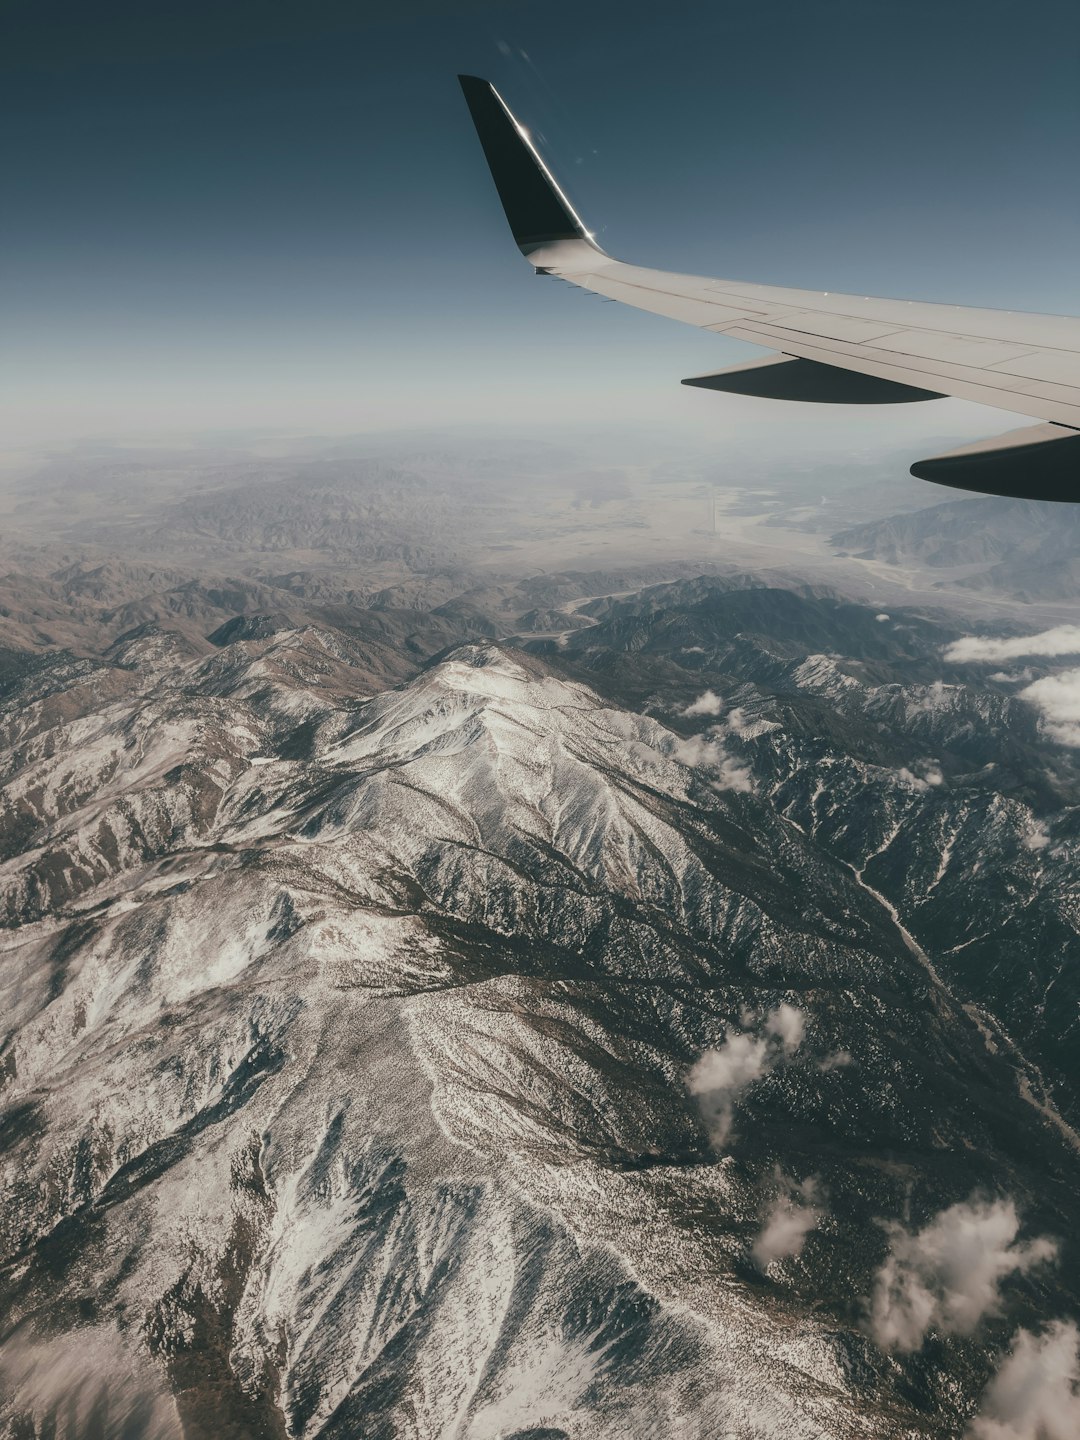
350, 1012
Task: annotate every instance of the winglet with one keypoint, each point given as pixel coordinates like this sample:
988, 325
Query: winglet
538, 211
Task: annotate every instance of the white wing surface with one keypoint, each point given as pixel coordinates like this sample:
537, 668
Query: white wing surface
839, 349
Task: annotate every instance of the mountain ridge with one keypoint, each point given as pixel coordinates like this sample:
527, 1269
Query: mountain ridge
379, 1006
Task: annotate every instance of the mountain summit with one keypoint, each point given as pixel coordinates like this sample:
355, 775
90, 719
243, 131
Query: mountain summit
430, 1060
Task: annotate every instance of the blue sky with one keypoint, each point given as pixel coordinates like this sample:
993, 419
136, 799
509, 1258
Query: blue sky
222, 215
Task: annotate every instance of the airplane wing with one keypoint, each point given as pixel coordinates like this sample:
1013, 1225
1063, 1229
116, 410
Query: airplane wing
838, 349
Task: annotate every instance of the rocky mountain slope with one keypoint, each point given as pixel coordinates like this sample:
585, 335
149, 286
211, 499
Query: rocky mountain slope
939, 788
1011, 547
405, 1043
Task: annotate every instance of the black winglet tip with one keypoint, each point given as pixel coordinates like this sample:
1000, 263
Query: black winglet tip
538, 212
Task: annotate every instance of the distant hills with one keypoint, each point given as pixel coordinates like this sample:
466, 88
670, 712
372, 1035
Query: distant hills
1022, 548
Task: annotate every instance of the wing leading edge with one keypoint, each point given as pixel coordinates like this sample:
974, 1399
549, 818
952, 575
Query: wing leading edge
839, 349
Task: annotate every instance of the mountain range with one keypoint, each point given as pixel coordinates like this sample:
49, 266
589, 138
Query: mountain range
1019, 548
411, 1033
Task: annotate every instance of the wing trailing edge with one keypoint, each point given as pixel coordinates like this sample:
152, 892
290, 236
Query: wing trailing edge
787, 377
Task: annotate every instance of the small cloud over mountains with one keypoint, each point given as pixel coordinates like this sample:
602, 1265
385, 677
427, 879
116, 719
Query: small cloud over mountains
1060, 640
1035, 1394
723, 1075
1058, 697
837, 1060
948, 1276
788, 1024
798, 1209
1037, 836
702, 753
707, 750
707, 704
925, 776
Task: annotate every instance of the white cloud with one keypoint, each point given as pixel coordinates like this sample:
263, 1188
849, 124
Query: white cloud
707, 704
931, 775
925, 699
68, 1384
1061, 640
907, 778
1003, 677
796, 1211
948, 1276
723, 1075
1035, 1395
834, 1061
882, 617
788, 1025
738, 722
1037, 836
735, 722
1058, 697
697, 750
702, 753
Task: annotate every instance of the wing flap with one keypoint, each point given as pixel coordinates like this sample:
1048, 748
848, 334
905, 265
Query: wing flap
972, 350
1040, 462
838, 327
1056, 366
786, 377
966, 382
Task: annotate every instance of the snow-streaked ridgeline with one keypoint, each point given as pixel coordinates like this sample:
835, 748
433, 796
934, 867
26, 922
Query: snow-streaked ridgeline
368, 1042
